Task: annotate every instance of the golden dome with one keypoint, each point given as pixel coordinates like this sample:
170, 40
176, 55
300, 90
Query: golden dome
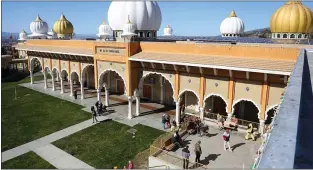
232, 14
63, 26
293, 17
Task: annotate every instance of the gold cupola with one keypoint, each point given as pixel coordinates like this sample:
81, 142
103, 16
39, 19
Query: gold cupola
292, 18
63, 28
232, 14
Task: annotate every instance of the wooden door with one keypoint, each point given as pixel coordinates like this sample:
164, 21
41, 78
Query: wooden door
147, 91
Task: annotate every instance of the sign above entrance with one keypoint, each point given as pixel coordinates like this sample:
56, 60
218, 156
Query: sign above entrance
110, 51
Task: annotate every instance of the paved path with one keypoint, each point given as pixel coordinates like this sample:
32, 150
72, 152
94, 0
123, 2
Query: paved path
61, 159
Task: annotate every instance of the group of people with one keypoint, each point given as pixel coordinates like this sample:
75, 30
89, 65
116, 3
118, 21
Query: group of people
166, 121
198, 150
100, 108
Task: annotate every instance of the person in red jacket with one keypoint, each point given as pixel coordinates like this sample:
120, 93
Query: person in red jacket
130, 165
226, 137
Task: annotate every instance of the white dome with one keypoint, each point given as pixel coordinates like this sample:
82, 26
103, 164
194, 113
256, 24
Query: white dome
23, 35
104, 30
168, 31
52, 34
232, 25
39, 26
145, 15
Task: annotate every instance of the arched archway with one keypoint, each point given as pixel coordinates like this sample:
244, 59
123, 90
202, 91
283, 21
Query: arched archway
74, 82
189, 102
55, 78
270, 114
113, 81
246, 110
215, 104
157, 88
35, 67
88, 77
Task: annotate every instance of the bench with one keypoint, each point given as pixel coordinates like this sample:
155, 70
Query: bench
168, 145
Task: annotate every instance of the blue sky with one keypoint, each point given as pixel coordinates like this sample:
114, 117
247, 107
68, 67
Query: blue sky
186, 18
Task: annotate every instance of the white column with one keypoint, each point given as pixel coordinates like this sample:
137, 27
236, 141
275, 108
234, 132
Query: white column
162, 90
106, 96
58, 77
261, 128
137, 105
82, 91
130, 104
45, 79
201, 109
31, 78
71, 87
99, 95
62, 86
229, 116
53, 82
178, 111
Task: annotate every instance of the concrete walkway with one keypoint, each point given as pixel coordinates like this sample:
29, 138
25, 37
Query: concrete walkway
61, 159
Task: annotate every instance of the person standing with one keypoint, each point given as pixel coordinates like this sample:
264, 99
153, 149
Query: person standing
226, 137
94, 114
186, 155
164, 120
198, 151
130, 165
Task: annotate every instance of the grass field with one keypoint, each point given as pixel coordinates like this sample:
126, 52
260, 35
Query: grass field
29, 160
108, 144
33, 114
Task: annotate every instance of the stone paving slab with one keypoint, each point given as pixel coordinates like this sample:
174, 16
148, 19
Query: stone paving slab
59, 158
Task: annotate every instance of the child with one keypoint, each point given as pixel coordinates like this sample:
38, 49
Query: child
226, 137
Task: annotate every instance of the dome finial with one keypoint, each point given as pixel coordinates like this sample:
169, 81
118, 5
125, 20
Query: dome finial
62, 17
128, 19
104, 22
38, 19
233, 13
293, 2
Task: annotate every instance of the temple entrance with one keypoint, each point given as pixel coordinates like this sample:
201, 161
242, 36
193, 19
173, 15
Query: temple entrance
214, 105
155, 88
189, 103
246, 110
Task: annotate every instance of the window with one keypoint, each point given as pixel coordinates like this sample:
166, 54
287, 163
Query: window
154, 34
116, 35
273, 35
292, 36
278, 35
148, 34
305, 36
299, 36
284, 35
141, 34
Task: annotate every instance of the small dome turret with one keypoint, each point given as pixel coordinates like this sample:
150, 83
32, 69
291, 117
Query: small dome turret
104, 30
63, 28
38, 28
23, 35
128, 30
232, 26
168, 31
52, 34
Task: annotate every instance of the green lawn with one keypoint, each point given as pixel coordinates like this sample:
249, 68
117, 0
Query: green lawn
29, 160
33, 114
108, 144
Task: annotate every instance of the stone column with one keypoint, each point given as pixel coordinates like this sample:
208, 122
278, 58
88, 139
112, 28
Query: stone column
45, 79
130, 104
178, 111
261, 128
137, 96
201, 109
53, 82
71, 87
31, 78
229, 116
99, 95
58, 76
106, 96
62, 86
82, 91
162, 90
